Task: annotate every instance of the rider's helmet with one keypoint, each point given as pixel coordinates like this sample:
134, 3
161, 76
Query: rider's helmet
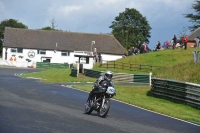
108, 75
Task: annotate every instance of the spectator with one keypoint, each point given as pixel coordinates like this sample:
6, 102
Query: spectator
174, 40
178, 45
129, 52
100, 57
141, 48
158, 46
197, 41
167, 44
185, 42
182, 41
164, 45
161, 48
136, 51
96, 56
132, 50
145, 48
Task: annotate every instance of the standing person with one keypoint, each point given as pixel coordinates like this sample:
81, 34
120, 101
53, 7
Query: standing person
158, 46
100, 57
197, 41
185, 42
174, 40
182, 41
141, 48
96, 57
164, 45
145, 48
167, 44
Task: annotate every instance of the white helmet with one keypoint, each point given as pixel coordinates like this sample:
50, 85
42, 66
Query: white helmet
108, 75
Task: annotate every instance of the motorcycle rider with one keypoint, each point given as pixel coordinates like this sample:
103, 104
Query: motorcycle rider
97, 85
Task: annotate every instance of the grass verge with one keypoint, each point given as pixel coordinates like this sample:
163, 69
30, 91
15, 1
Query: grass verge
141, 97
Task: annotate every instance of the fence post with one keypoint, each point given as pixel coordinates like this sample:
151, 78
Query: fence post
131, 67
140, 67
77, 69
150, 78
107, 64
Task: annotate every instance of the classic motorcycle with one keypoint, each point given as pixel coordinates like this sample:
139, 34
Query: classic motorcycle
100, 101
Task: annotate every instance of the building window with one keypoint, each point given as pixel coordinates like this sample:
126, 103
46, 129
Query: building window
83, 60
64, 53
16, 50
13, 50
42, 52
19, 50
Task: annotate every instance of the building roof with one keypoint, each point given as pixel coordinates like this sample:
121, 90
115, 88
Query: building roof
69, 41
194, 34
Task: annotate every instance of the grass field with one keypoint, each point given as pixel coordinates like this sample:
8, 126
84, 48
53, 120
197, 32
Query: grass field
175, 64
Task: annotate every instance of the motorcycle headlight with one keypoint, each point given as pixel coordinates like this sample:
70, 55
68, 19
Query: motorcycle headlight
110, 90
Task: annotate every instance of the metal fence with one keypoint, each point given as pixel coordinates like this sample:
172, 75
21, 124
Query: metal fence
184, 92
51, 65
127, 66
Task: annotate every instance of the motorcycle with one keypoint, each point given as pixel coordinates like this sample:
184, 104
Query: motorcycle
100, 101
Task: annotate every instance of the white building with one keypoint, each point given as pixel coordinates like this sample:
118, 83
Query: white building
57, 47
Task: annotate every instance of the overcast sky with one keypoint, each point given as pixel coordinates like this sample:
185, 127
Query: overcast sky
95, 16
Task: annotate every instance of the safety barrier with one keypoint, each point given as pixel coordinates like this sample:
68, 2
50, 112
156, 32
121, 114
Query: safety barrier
184, 92
74, 73
51, 65
121, 77
92, 73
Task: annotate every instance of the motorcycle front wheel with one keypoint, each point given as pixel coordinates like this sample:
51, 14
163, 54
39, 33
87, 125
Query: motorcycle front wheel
88, 108
104, 110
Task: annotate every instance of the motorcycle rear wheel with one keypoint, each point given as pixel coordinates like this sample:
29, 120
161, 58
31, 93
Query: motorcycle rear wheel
103, 111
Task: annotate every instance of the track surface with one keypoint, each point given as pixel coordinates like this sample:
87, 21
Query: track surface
30, 106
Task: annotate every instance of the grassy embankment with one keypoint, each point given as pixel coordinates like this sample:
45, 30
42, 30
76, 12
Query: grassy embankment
175, 64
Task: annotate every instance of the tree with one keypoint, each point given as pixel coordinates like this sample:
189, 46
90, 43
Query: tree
194, 18
52, 27
130, 28
47, 28
9, 23
182, 33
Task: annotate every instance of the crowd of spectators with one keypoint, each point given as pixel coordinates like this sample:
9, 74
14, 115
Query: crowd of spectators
137, 50
173, 44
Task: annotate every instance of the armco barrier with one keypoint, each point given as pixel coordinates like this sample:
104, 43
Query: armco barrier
51, 65
184, 92
121, 77
92, 73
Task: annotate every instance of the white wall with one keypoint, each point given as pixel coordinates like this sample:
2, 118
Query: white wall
55, 57
109, 57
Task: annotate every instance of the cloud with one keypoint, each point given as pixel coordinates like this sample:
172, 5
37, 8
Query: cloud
66, 10
2, 7
95, 16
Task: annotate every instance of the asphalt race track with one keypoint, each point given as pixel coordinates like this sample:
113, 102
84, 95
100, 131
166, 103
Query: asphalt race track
30, 106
